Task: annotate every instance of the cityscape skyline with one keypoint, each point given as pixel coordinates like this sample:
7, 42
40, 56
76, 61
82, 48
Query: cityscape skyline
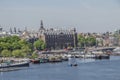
84, 15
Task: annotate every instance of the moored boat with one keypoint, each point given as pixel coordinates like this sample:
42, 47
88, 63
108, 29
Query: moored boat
15, 64
55, 59
35, 61
73, 64
44, 60
102, 56
72, 61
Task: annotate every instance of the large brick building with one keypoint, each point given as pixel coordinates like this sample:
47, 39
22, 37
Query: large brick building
58, 38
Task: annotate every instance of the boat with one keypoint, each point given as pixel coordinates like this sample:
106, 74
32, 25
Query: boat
55, 59
73, 65
87, 56
35, 61
65, 59
14, 64
72, 61
44, 60
116, 51
102, 56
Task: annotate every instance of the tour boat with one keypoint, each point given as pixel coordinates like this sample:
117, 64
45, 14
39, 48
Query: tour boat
15, 64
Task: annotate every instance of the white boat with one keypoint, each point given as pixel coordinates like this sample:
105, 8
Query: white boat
97, 52
116, 50
87, 56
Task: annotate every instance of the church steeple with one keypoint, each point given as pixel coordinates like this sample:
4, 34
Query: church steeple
41, 25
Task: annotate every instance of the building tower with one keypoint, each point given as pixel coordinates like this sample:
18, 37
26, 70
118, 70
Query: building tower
11, 30
41, 29
75, 37
41, 25
15, 31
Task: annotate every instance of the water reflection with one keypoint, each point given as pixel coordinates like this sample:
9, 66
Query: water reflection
85, 60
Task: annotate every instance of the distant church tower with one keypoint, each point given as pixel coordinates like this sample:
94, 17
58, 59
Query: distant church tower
41, 29
41, 25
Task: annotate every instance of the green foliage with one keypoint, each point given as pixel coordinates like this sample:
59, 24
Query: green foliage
10, 39
18, 53
117, 37
6, 53
18, 47
34, 55
26, 50
91, 41
9, 43
86, 41
39, 45
81, 41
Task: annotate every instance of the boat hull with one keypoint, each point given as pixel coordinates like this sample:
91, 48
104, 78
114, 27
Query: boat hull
35, 61
25, 64
102, 57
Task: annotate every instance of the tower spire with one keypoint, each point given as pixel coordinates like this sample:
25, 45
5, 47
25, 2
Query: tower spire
41, 25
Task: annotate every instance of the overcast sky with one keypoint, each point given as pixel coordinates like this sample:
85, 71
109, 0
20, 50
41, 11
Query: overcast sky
85, 15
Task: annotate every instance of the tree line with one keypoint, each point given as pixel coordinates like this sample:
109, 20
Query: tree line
86, 41
13, 46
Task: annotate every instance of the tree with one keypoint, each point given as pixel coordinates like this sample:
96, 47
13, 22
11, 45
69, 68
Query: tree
39, 45
10, 43
86, 41
18, 47
26, 50
18, 53
81, 41
91, 41
6, 53
34, 55
11, 39
116, 36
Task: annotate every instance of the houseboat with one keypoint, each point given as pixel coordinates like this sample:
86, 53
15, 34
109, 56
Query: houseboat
11, 66
14, 64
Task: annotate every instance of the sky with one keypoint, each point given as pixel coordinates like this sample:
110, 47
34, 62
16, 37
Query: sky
84, 15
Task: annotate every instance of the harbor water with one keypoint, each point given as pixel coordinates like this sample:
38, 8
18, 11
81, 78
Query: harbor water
87, 69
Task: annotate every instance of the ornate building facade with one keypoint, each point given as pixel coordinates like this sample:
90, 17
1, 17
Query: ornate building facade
58, 38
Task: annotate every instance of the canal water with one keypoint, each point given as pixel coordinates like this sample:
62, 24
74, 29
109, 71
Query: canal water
87, 69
